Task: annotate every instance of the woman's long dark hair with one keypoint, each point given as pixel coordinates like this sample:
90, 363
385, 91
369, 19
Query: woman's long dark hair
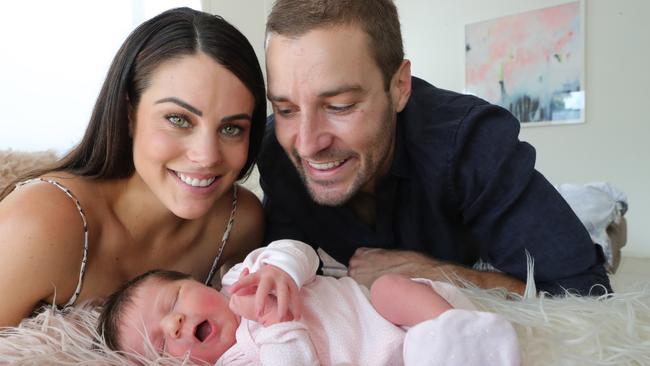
106, 149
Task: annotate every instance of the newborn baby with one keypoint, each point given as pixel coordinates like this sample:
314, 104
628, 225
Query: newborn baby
276, 311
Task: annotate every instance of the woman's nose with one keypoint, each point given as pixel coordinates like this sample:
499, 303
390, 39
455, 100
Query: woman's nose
172, 324
204, 150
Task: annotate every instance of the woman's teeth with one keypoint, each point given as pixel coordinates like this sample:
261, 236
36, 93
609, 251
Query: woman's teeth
195, 182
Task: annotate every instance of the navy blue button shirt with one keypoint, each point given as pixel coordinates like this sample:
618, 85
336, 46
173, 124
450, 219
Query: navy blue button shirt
461, 187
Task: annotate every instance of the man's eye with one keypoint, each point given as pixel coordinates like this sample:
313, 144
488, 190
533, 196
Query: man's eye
283, 111
178, 121
337, 108
231, 130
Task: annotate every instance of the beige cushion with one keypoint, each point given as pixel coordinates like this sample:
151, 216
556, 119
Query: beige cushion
15, 163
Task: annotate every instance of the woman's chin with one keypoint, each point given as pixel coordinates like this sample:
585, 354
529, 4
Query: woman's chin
192, 212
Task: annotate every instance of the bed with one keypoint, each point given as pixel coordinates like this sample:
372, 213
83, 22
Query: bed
613, 330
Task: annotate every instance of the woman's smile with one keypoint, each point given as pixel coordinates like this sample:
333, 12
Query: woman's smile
196, 181
198, 185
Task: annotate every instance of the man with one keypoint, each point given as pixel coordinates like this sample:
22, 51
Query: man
387, 173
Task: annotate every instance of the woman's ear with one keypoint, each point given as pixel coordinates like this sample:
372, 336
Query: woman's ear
400, 85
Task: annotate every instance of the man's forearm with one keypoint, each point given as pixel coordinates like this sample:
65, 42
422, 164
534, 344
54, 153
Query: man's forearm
487, 280
367, 264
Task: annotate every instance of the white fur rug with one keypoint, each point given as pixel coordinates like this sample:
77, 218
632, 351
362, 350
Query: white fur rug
566, 331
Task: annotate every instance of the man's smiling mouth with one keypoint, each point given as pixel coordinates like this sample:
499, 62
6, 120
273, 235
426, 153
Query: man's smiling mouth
326, 165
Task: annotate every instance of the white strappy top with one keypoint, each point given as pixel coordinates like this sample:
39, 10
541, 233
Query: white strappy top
84, 260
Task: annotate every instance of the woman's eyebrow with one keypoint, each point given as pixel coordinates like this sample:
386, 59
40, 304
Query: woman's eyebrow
182, 104
236, 117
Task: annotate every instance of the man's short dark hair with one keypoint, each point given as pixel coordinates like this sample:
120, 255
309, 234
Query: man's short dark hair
114, 306
377, 18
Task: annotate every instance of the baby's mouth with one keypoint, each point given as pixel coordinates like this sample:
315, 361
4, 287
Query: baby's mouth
203, 330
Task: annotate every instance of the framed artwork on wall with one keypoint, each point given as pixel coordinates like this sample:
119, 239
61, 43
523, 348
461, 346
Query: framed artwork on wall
531, 63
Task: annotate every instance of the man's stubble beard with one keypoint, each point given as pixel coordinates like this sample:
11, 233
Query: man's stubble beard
367, 172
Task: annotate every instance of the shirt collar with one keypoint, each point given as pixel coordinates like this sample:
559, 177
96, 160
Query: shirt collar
400, 165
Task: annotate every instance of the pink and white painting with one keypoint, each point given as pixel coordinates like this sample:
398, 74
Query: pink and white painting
531, 63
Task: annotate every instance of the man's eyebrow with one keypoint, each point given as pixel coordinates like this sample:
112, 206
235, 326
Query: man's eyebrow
276, 98
326, 94
182, 104
341, 90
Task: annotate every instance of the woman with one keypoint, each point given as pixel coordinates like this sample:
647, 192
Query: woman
179, 119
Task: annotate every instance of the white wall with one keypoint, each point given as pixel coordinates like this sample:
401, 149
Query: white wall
53, 60
50, 74
614, 143
249, 16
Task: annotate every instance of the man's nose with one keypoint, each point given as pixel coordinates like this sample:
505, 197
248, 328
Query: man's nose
172, 325
203, 149
313, 134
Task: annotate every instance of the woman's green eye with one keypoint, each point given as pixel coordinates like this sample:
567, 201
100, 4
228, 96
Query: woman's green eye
178, 121
231, 130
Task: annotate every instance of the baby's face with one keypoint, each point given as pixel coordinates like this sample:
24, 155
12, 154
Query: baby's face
179, 316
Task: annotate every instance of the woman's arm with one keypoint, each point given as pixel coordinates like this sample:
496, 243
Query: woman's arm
41, 242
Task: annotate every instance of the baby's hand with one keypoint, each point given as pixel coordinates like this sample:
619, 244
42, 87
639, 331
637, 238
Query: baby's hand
276, 295
244, 306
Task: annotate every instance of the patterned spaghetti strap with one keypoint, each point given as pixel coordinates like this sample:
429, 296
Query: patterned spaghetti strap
84, 260
225, 236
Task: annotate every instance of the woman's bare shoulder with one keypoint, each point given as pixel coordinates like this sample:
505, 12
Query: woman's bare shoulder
41, 233
39, 217
38, 200
41, 205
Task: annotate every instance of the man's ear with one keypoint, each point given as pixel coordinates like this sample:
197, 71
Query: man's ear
400, 86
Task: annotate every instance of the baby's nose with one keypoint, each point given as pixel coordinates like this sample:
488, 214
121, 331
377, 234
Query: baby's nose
172, 324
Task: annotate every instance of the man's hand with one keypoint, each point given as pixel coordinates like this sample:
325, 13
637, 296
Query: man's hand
275, 296
367, 264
